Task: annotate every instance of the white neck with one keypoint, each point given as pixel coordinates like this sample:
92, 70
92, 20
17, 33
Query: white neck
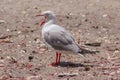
46, 25
49, 22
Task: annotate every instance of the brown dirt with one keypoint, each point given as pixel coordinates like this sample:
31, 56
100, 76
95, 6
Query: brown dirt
23, 55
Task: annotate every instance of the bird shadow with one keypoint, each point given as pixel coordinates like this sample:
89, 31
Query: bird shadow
70, 64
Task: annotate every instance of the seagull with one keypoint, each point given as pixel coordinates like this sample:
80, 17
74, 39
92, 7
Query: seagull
56, 37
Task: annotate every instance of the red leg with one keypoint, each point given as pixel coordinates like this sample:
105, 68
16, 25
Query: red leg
59, 56
57, 60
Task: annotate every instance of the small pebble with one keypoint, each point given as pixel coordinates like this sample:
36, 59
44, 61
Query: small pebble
23, 12
42, 49
0, 49
19, 32
30, 58
86, 68
2, 61
30, 41
86, 20
7, 30
34, 52
2, 21
42, 46
38, 77
83, 15
23, 51
37, 41
105, 15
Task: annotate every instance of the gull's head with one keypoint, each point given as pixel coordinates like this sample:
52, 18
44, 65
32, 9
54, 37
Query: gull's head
48, 15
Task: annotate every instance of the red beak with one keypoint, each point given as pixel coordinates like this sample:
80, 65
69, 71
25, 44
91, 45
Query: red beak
39, 15
43, 20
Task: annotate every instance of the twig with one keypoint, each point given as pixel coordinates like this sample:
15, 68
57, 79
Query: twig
6, 36
67, 74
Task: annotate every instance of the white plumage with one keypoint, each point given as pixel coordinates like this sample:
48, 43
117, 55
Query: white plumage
57, 37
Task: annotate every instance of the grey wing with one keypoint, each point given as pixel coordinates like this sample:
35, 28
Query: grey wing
61, 41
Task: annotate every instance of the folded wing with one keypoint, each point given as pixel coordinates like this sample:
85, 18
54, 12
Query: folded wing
61, 40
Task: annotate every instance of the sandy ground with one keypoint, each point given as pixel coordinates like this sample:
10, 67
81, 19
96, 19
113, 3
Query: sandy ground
24, 56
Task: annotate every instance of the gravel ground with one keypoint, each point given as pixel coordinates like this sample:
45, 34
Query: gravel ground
94, 24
